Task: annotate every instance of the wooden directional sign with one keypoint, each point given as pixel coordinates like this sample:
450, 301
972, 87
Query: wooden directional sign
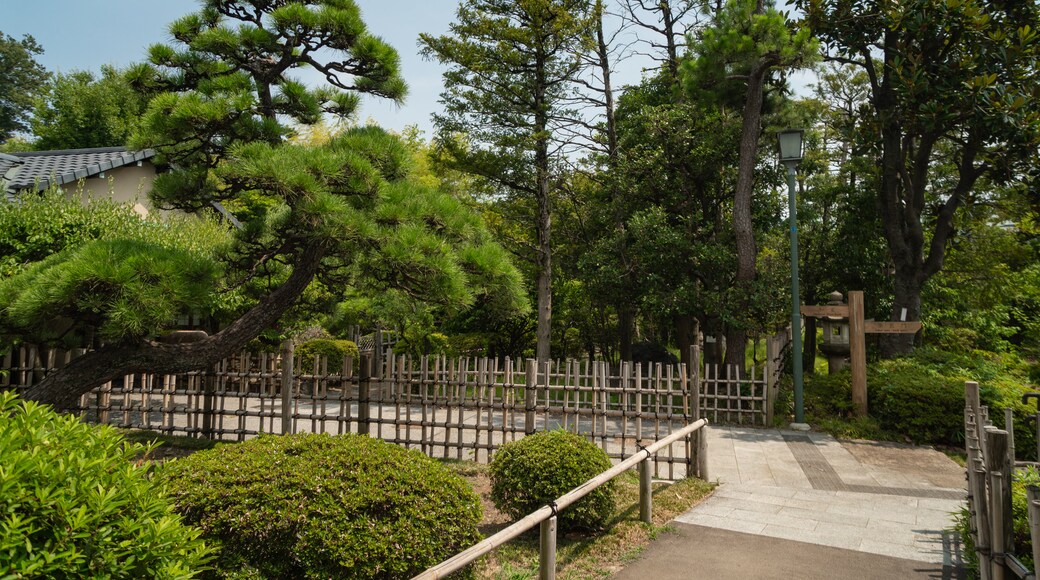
841, 310
874, 327
858, 328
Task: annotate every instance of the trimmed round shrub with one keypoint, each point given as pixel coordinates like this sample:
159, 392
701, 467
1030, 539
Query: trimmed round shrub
319, 506
334, 351
74, 504
532, 472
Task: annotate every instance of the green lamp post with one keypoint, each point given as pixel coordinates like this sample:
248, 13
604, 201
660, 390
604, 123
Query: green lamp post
790, 155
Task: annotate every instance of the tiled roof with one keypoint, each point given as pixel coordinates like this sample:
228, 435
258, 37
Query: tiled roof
38, 170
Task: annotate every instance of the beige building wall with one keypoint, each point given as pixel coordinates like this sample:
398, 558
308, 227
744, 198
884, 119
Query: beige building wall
129, 183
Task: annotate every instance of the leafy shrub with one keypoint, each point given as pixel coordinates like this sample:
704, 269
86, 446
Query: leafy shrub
318, 506
74, 505
921, 397
532, 472
916, 401
330, 349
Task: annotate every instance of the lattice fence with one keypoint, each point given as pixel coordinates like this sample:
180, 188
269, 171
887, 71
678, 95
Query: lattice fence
452, 408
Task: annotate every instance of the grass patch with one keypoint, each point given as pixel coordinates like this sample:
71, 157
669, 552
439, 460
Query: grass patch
585, 555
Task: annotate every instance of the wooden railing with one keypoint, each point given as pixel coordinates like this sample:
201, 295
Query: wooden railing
545, 517
991, 467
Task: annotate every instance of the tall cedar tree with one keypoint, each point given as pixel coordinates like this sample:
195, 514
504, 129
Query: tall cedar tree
344, 213
951, 83
511, 68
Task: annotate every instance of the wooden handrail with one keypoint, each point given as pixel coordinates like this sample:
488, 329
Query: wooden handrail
535, 518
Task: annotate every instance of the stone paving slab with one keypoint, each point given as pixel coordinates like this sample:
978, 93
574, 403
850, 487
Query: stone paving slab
694, 552
811, 488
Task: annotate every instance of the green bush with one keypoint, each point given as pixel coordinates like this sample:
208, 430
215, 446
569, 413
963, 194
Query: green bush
73, 504
921, 397
318, 506
532, 472
330, 349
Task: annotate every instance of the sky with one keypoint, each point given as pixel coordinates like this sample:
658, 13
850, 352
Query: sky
86, 34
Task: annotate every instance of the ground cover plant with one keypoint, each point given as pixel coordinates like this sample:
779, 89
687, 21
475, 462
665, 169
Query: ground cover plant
318, 506
920, 398
74, 503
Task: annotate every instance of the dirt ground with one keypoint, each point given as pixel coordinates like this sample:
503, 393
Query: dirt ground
494, 520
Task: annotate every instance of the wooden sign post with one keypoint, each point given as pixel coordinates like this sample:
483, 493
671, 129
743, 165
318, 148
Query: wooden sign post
858, 329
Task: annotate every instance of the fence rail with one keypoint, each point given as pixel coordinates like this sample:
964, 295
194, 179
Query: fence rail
462, 408
546, 515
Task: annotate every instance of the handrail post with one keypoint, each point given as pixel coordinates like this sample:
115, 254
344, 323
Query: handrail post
702, 454
646, 496
547, 543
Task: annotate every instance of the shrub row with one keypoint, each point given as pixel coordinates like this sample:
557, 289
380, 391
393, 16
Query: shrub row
318, 506
922, 397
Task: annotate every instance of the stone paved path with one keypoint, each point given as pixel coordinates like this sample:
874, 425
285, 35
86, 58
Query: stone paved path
869, 497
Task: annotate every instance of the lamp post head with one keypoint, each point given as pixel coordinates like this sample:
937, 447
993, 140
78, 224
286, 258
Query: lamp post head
790, 145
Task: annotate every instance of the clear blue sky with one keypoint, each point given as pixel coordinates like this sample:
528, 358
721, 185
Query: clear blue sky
86, 34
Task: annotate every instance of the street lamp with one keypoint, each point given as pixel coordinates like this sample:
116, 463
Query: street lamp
790, 155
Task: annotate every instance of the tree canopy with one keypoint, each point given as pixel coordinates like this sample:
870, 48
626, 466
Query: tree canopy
343, 214
79, 110
20, 78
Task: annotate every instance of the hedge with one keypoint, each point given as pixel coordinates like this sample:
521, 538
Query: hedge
319, 506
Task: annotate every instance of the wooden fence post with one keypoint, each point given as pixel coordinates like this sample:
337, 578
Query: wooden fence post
288, 375
547, 545
694, 386
1000, 504
1033, 507
530, 395
858, 352
209, 396
364, 394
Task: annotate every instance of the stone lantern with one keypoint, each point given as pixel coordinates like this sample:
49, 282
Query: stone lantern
835, 344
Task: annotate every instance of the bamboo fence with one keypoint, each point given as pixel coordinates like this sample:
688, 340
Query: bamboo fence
459, 408
991, 467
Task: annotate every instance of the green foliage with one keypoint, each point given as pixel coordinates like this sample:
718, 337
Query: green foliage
20, 79
921, 398
74, 504
78, 110
532, 472
77, 269
41, 225
951, 100
332, 350
318, 506
743, 38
